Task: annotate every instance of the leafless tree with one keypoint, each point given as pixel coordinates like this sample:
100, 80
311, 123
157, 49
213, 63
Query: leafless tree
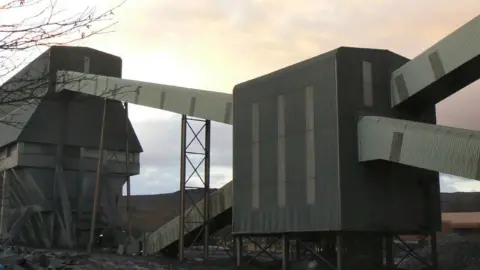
30, 26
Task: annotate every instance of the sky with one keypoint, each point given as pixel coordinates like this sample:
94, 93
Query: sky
215, 44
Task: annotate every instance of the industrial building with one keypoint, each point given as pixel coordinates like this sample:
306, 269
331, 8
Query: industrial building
341, 150
50, 153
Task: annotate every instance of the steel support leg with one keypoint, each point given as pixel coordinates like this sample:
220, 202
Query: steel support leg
388, 248
206, 191
285, 252
297, 250
433, 243
181, 231
238, 250
190, 158
339, 249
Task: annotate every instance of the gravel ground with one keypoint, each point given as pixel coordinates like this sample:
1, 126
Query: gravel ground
454, 253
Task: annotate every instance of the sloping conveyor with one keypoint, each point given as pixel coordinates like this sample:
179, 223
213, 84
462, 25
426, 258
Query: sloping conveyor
440, 71
165, 238
214, 106
437, 148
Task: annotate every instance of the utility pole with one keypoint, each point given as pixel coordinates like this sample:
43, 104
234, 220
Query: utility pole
97, 180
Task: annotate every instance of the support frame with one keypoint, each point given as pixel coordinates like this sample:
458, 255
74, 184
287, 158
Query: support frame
186, 161
430, 262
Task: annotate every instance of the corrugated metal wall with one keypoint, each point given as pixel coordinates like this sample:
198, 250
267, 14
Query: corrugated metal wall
67, 122
83, 119
81, 113
285, 150
40, 121
296, 156
13, 115
379, 196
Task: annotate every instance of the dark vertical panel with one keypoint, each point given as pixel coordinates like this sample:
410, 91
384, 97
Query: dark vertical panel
326, 149
242, 162
381, 195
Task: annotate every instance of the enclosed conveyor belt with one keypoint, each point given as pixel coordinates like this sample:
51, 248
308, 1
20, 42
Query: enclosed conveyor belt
165, 238
437, 148
214, 106
440, 71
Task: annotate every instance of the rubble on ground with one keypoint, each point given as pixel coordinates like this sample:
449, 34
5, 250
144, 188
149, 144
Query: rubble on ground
20, 258
455, 252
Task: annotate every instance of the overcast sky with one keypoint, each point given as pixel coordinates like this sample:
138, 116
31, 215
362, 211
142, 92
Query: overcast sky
215, 44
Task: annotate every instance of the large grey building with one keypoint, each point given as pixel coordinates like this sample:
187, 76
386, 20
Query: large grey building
296, 166
49, 152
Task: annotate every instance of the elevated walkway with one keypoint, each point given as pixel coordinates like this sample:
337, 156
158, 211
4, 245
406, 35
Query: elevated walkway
440, 71
436, 148
165, 238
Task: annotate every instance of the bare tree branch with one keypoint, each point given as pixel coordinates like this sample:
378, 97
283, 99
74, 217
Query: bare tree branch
27, 26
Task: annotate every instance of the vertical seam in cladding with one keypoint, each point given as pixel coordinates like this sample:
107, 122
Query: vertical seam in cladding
339, 195
96, 88
86, 64
436, 64
228, 112
310, 145
396, 147
281, 164
137, 94
193, 102
163, 98
402, 90
255, 156
367, 83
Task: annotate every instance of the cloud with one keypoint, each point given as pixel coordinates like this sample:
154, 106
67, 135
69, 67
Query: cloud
215, 44
452, 183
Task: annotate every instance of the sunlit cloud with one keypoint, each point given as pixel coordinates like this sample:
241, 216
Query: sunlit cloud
215, 44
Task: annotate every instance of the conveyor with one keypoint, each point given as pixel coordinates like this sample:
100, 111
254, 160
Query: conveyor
440, 71
165, 238
432, 147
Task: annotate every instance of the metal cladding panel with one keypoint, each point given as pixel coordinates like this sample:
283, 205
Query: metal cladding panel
15, 111
379, 196
83, 119
40, 121
83, 59
32, 188
438, 148
441, 70
285, 150
203, 104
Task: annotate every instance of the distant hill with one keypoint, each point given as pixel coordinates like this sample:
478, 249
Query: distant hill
149, 212
460, 202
